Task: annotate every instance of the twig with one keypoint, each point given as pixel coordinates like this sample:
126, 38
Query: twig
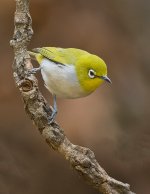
82, 159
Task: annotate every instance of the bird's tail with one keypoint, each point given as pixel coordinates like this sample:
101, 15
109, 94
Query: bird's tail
35, 55
32, 55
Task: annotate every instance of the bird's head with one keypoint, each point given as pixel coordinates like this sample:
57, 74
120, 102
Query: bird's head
91, 72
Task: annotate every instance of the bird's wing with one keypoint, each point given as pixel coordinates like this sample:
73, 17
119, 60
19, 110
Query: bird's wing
60, 55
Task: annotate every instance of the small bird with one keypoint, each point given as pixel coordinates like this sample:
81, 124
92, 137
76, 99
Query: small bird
69, 72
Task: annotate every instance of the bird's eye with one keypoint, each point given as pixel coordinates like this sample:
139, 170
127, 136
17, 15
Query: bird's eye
91, 73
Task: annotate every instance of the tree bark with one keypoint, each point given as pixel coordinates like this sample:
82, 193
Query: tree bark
81, 159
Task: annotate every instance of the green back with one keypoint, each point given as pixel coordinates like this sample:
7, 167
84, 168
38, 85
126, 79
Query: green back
61, 55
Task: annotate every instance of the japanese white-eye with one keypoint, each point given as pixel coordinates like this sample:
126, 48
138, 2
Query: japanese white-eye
69, 72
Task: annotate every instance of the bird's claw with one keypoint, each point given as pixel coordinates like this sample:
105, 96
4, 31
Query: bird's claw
50, 120
52, 117
33, 70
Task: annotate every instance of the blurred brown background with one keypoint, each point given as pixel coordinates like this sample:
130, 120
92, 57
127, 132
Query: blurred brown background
113, 121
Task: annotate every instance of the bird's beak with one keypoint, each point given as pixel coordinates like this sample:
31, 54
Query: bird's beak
106, 79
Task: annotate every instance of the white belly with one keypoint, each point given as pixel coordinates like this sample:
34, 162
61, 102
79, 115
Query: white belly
61, 80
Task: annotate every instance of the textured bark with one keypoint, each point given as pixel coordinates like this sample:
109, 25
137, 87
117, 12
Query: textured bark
81, 159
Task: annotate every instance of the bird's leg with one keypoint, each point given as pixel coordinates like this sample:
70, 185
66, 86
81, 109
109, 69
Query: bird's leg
34, 70
54, 111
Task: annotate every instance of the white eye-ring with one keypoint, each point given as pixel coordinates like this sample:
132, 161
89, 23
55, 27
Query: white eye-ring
91, 73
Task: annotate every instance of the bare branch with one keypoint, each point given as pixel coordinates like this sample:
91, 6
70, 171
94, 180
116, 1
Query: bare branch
82, 159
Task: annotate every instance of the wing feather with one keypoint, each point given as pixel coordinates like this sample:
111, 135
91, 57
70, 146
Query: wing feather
60, 55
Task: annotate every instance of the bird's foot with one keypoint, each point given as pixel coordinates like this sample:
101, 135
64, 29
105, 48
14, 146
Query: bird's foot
34, 70
52, 116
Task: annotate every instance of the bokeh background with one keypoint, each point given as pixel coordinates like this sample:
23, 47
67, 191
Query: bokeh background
114, 121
